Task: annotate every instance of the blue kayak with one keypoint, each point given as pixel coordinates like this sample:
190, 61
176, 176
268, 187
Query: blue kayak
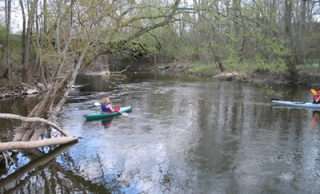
296, 104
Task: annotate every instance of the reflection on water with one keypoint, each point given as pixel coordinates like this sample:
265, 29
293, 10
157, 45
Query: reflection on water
106, 123
315, 118
19, 106
189, 135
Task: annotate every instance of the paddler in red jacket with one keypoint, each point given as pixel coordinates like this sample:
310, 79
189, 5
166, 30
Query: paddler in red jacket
316, 98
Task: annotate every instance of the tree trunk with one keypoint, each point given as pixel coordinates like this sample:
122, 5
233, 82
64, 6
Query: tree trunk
289, 60
7, 47
23, 34
302, 19
26, 74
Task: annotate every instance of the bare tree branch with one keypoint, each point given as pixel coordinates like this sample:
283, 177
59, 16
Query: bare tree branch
33, 119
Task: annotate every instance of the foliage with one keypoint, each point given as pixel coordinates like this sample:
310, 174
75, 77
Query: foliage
202, 68
269, 91
15, 48
227, 35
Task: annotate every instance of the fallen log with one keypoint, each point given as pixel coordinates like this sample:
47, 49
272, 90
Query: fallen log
36, 144
33, 119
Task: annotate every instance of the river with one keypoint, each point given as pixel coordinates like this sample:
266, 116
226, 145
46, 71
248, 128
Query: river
186, 134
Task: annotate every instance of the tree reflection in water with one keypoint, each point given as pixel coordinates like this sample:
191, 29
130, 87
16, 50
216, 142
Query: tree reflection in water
45, 173
106, 122
315, 118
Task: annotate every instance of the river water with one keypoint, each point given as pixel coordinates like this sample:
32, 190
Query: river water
185, 135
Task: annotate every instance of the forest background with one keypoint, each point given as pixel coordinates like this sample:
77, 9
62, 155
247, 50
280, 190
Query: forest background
61, 38
207, 36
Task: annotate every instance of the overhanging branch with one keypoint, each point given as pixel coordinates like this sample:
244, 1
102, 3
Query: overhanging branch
33, 119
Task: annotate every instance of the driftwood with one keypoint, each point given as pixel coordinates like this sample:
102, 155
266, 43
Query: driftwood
33, 119
36, 144
119, 72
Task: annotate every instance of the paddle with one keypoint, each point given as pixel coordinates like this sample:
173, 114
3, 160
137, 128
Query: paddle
314, 91
122, 113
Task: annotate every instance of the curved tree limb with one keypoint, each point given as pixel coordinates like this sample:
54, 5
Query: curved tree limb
33, 119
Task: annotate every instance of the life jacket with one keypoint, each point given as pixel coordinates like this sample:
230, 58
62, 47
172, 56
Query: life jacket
105, 108
315, 97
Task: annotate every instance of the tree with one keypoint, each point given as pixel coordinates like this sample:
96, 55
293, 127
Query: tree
78, 32
7, 72
28, 65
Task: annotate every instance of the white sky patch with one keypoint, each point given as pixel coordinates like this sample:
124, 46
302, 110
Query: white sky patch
16, 16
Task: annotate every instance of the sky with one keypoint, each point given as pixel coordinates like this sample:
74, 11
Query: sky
15, 16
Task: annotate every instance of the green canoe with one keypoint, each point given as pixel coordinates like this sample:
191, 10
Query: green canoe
101, 115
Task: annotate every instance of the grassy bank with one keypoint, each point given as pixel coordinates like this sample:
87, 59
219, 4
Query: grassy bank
255, 73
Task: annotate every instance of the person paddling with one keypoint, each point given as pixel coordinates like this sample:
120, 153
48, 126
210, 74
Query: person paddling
106, 107
316, 98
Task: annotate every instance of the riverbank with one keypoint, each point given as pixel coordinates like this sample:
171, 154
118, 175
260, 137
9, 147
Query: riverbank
307, 77
22, 90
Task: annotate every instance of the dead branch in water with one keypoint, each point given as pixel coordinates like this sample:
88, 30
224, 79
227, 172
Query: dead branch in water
33, 119
125, 69
36, 144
